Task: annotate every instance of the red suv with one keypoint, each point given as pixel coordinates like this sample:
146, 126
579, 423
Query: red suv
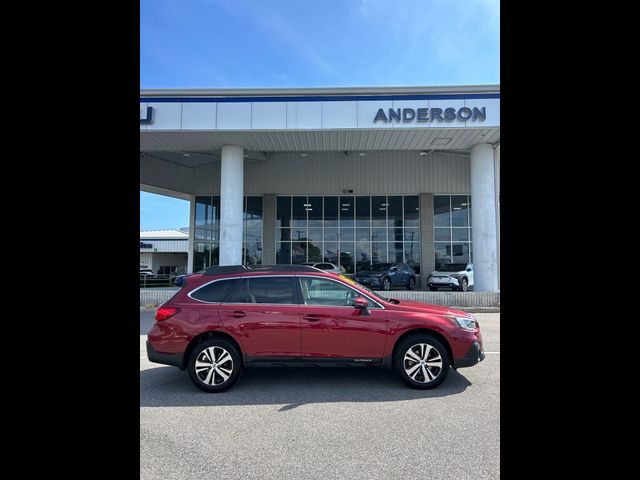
228, 318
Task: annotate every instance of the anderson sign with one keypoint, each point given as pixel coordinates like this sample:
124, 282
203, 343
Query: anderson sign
405, 115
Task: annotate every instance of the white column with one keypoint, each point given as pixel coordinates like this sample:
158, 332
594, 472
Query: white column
192, 233
483, 217
231, 197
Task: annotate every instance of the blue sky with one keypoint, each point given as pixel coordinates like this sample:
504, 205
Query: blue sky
312, 43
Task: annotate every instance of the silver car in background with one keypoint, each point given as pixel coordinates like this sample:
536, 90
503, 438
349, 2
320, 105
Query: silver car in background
457, 276
327, 267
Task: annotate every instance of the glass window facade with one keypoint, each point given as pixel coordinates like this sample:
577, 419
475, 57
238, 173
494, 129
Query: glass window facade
452, 229
352, 231
206, 245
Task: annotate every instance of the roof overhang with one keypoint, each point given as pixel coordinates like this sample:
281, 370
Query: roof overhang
189, 122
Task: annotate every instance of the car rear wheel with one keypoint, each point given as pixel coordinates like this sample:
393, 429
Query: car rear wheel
214, 365
421, 361
386, 284
411, 284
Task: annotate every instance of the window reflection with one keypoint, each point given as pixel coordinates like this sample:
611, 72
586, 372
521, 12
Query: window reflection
207, 231
452, 231
352, 231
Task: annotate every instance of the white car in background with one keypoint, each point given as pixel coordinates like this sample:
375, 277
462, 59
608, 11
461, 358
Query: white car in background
327, 267
457, 276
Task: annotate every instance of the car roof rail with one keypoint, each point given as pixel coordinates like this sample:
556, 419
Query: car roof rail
285, 268
217, 270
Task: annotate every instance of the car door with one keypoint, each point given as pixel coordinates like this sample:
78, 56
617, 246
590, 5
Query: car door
332, 328
396, 275
262, 313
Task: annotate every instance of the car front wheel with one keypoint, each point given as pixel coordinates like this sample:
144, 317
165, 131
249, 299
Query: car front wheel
421, 361
464, 284
214, 365
386, 284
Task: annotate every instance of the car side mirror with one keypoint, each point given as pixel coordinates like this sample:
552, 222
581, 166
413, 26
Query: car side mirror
361, 303
394, 269
468, 269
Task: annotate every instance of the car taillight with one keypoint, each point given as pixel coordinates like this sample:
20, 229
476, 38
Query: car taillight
165, 312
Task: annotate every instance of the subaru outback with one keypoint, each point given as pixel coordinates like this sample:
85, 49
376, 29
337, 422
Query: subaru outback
225, 319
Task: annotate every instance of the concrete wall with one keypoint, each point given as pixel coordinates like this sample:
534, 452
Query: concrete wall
154, 296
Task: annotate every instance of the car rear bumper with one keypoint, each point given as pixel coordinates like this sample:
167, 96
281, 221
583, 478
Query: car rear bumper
174, 359
473, 356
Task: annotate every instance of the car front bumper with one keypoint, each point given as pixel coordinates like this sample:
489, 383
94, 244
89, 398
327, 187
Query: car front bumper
450, 282
473, 356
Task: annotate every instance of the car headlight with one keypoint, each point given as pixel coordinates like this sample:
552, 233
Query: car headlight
464, 322
456, 276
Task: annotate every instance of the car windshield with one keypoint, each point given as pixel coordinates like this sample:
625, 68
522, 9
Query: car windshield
380, 267
452, 267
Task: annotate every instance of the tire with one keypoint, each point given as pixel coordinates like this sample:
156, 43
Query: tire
464, 284
411, 284
405, 365
386, 284
216, 382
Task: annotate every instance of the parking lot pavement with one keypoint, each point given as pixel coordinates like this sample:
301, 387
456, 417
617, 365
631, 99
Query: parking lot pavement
322, 423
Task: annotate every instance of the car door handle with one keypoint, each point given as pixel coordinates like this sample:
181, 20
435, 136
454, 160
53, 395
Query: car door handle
313, 318
237, 314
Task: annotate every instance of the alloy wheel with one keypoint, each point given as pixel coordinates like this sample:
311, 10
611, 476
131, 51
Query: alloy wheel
422, 363
214, 366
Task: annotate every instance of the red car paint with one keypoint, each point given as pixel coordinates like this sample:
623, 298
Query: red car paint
277, 331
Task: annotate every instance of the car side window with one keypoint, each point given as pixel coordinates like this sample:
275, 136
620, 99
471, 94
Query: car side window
324, 266
322, 291
214, 292
263, 290
271, 290
240, 293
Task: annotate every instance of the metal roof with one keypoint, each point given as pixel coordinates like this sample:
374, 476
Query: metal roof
239, 92
163, 235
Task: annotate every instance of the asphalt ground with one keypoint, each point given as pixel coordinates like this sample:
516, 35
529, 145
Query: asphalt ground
322, 423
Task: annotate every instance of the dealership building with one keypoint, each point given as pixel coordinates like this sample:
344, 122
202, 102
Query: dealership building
352, 176
164, 251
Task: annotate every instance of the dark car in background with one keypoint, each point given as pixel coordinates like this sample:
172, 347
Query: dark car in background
386, 275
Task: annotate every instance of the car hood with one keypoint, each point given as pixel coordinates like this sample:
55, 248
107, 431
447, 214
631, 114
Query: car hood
444, 274
369, 273
413, 306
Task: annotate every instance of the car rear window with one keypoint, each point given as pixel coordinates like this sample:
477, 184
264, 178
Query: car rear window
214, 292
